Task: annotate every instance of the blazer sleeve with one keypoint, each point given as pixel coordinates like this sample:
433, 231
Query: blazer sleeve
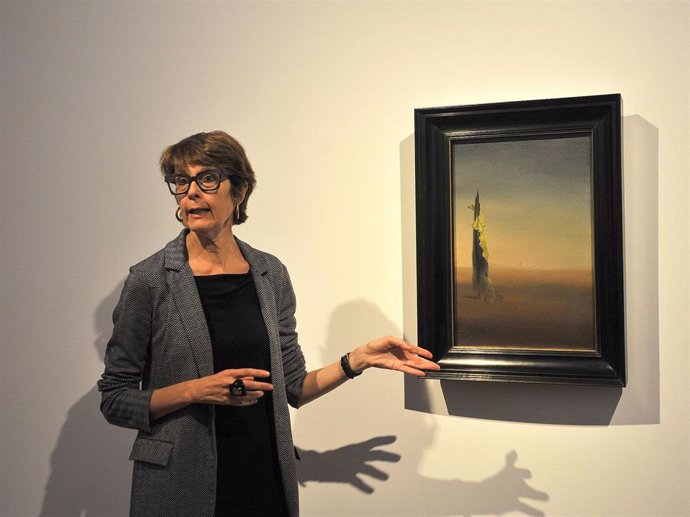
123, 402
294, 367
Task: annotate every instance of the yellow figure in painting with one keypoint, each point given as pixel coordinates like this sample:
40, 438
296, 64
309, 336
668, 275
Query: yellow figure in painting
480, 256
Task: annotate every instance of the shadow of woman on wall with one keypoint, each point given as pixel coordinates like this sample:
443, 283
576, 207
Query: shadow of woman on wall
90, 474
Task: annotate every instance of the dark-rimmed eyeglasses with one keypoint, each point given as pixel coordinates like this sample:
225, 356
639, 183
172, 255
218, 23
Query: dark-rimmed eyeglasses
208, 181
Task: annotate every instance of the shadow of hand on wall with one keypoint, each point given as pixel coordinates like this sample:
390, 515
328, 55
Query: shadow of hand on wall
346, 464
374, 404
90, 473
500, 493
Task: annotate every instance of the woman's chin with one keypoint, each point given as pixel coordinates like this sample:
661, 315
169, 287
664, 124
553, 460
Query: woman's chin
198, 226
205, 229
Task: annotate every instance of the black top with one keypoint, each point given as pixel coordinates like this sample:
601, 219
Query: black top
248, 480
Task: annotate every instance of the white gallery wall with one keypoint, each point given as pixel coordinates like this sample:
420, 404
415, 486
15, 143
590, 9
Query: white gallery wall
322, 95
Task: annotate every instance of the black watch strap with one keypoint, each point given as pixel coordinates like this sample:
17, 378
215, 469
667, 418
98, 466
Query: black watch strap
345, 365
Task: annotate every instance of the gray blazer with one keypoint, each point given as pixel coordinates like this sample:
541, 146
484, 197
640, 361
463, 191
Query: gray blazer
160, 337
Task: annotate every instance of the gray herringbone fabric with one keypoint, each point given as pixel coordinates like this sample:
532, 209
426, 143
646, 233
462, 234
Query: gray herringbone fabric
160, 337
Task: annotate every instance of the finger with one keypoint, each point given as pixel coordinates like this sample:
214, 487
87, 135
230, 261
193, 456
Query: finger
378, 441
423, 352
521, 473
418, 351
528, 510
361, 485
247, 372
420, 362
414, 366
250, 395
400, 343
246, 400
528, 491
373, 472
253, 386
388, 457
244, 403
412, 371
424, 364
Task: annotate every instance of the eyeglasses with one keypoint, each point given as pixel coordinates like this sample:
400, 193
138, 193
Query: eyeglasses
208, 181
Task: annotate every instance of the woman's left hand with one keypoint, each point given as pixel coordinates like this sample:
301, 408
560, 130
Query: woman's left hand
392, 353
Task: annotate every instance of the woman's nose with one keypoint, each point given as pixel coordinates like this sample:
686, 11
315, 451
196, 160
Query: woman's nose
193, 189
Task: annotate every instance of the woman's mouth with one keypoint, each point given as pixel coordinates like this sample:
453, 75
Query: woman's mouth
198, 212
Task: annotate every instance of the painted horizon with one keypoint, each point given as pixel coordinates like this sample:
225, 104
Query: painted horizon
536, 219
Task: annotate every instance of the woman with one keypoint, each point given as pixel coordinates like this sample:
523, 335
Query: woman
204, 358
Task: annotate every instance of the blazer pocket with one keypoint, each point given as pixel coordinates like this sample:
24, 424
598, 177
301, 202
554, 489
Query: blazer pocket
151, 451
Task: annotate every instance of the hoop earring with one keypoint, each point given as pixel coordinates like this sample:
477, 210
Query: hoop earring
178, 214
237, 213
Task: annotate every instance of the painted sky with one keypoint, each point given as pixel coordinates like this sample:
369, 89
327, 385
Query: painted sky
535, 196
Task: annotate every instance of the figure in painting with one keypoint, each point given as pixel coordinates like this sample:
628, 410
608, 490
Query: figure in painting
480, 256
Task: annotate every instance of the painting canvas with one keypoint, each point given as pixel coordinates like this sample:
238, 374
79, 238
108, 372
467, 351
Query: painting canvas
523, 243
520, 240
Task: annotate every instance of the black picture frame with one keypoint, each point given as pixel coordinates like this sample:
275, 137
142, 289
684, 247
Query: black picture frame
438, 131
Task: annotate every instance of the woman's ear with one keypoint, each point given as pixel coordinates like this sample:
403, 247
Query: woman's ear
241, 194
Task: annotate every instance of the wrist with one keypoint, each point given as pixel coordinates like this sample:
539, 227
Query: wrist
190, 392
346, 368
358, 362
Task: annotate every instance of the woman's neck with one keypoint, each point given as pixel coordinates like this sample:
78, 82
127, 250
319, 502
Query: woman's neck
215, 255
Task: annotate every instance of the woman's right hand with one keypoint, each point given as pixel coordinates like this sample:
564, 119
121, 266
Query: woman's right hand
212, 389
215, 389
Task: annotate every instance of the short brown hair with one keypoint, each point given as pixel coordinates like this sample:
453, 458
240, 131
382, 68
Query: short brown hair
215, 149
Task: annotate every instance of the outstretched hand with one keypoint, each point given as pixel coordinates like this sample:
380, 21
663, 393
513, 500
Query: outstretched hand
392, 353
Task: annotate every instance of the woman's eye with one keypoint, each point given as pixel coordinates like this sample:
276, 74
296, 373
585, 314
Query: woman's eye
210, 180
181, 181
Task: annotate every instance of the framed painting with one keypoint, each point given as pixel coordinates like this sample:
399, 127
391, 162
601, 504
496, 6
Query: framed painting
519, 240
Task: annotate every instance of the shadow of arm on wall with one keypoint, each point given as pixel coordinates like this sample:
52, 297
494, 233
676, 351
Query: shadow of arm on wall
346, 464
90, 473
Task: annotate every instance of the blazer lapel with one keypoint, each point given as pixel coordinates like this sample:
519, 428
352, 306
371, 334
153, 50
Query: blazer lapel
186, 298
266, 294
